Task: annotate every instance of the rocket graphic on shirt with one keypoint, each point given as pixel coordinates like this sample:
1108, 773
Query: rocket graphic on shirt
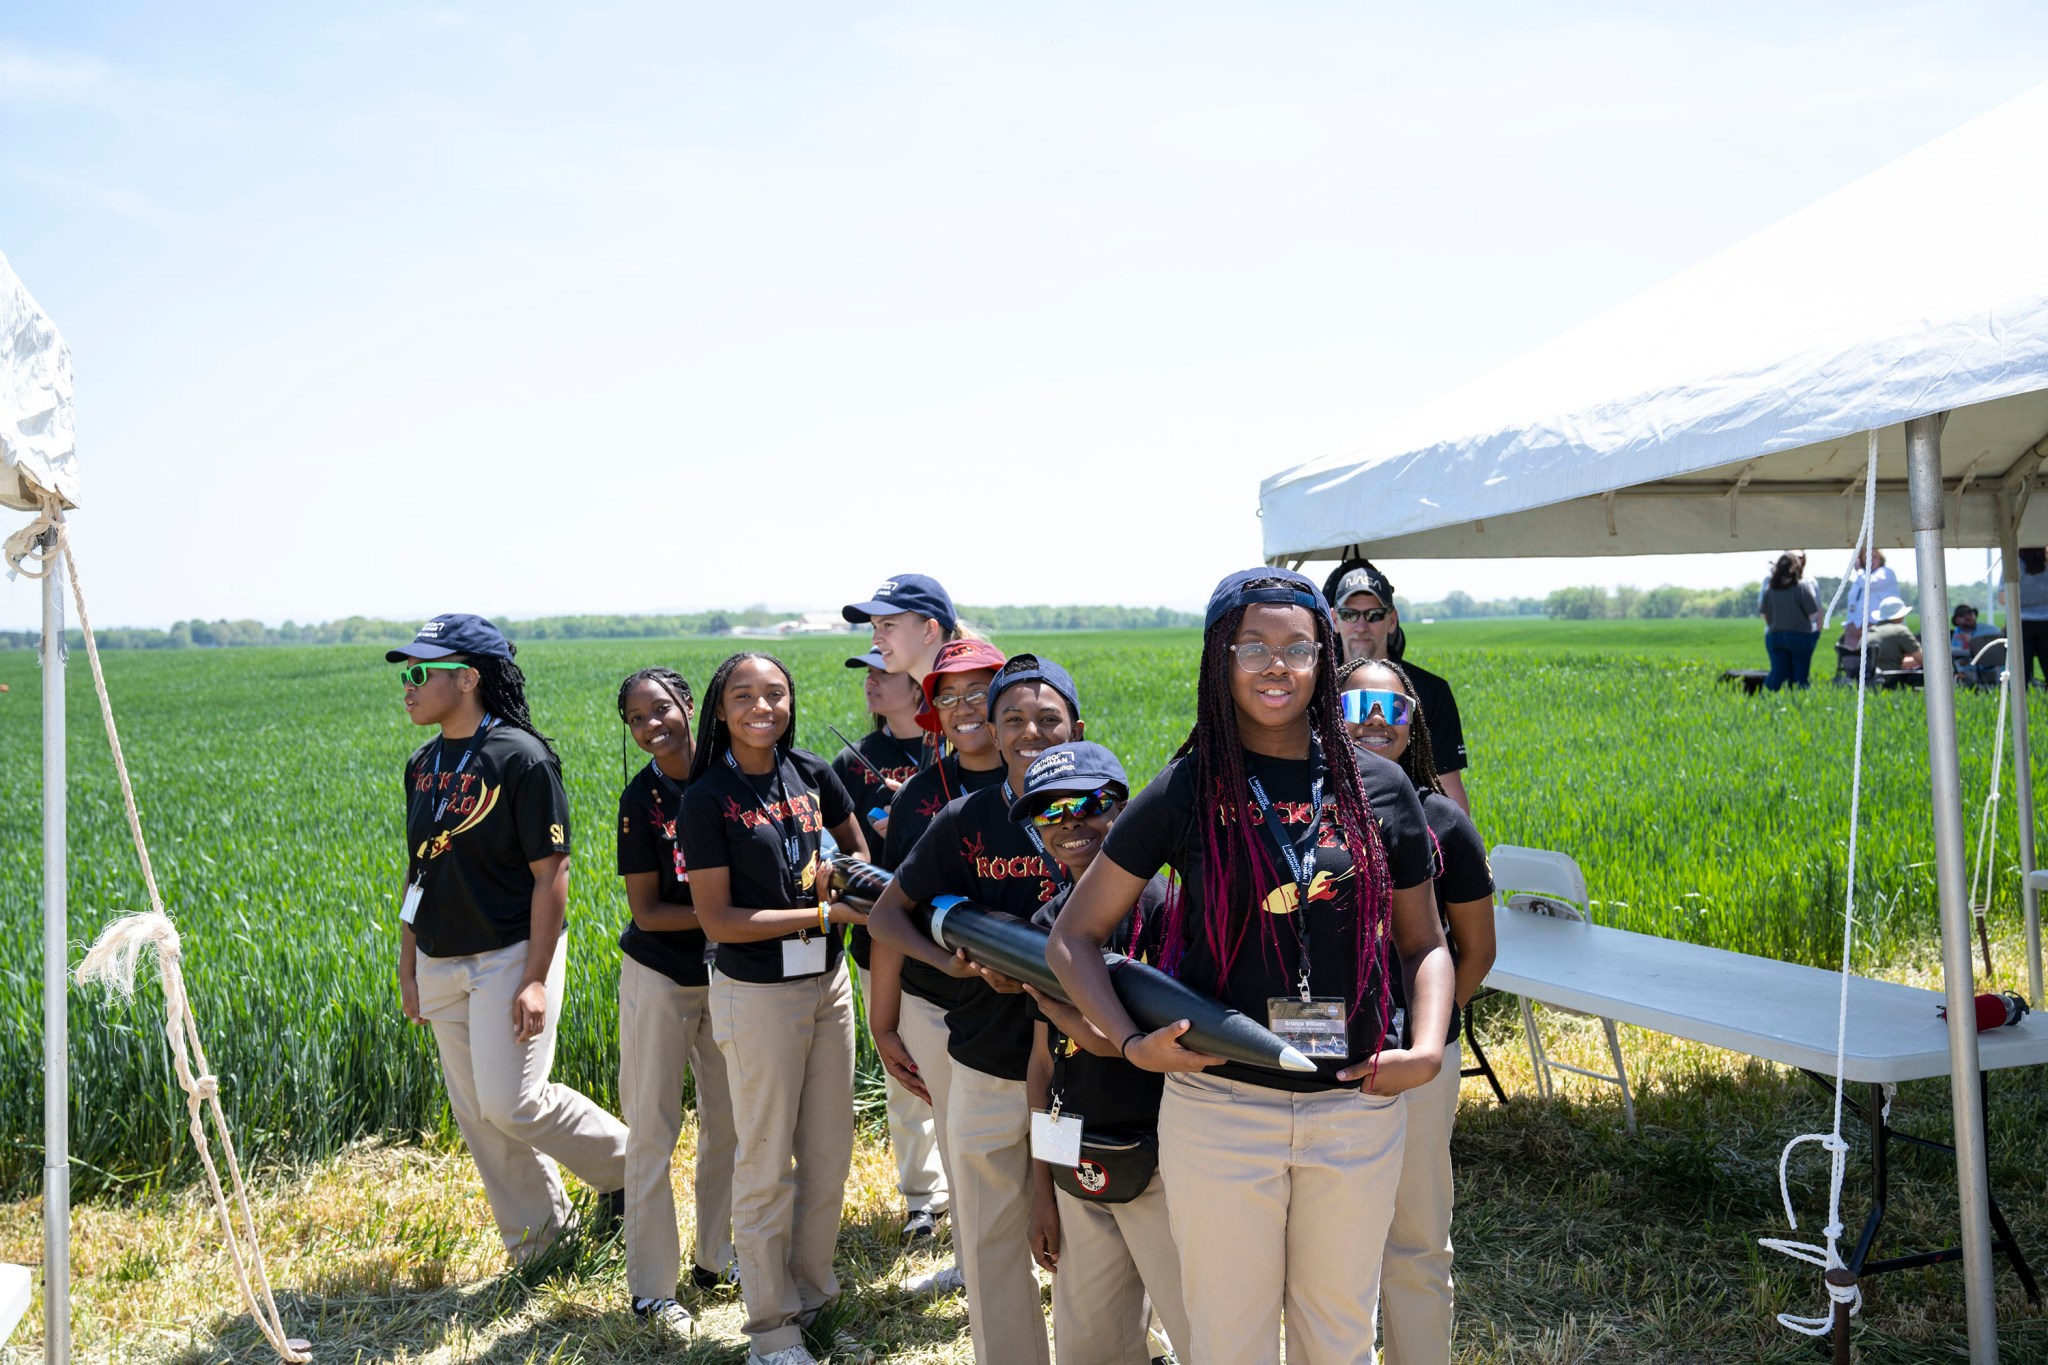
472, 806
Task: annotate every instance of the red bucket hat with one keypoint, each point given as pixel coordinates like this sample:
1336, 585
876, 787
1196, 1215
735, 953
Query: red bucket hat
956, 656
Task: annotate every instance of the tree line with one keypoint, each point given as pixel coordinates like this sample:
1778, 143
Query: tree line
366, 630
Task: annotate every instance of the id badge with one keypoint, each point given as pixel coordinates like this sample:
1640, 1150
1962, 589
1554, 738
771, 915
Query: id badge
1056, 1138
1315, 1027
410, 906
803, 956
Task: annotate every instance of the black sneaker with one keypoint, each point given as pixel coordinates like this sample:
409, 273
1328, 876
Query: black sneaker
921, 1223
710, 1281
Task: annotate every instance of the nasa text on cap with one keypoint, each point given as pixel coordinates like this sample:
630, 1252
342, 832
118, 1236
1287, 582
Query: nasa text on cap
905, 592
453, 633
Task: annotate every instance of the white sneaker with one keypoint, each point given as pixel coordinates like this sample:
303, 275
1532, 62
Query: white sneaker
666, 1316
938, 1284
792, 1355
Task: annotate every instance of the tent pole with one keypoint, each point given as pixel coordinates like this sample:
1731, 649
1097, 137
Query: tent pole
2022, 750
1966, 1083
56, 1051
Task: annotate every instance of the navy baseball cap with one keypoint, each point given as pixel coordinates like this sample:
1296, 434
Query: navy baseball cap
871, 659
453, 633
1291, 590
1082, 766
1030, 668
906, 592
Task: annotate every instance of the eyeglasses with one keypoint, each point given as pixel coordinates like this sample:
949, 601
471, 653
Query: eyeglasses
948, 700
1098, 802
1393, 708
415, 675
1370, 615
1300, 657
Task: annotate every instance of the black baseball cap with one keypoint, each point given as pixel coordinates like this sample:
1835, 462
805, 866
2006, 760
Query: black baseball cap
1236, 590
1030, 668
871, 659
1365, 578
1082, 766
453, 633
906, 592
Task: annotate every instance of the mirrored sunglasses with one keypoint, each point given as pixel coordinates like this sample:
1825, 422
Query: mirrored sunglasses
1098, 802
1391, 708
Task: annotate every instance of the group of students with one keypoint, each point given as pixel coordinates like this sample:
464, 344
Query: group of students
1300, 859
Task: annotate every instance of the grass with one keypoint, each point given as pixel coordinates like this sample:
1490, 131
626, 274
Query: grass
268, 785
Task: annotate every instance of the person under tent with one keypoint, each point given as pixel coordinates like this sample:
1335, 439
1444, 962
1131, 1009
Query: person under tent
1369, 624
1893, 647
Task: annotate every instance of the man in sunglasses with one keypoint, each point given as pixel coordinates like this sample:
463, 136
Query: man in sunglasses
1370, 626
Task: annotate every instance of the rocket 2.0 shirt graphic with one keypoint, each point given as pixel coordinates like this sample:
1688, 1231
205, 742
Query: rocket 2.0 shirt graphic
974, 849
648, 842
917, 805
1160, 828
743, 822
506, 810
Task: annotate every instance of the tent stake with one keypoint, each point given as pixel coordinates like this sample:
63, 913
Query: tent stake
56, 1049
2016, 671
1966, 1082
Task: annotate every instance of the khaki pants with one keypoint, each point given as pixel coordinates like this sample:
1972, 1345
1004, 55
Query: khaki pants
789, 1059
516, 1121
1111, 1257
988, 1153
1278, 1199
1415, 1282
913, 1135
662, 1027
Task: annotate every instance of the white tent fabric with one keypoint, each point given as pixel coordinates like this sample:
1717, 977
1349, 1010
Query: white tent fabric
1725, 408
37, 437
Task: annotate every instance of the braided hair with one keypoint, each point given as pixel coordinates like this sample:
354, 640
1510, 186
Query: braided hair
1418, 760
714, 738
1237, 867
501, 687
669, 681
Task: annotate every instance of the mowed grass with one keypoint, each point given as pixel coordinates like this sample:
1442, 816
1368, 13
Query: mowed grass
269, 785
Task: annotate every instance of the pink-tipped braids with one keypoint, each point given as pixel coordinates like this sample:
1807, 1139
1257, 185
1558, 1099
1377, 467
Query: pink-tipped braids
1239, 869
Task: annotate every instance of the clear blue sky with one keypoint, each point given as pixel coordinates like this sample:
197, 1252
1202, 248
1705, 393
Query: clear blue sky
537, 308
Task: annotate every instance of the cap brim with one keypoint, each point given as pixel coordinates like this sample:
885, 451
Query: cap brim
860, 612
416, 650
874, 661
1021, 808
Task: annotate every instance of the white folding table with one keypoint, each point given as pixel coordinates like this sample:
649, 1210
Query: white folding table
1779, 1011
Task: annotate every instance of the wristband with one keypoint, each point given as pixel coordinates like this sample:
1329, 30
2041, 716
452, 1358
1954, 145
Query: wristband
824, 918
1120, 1047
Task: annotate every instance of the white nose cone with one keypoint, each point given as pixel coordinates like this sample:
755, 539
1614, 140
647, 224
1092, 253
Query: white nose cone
1291, 1059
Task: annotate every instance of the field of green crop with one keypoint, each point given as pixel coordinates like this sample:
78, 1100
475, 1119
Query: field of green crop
269, 786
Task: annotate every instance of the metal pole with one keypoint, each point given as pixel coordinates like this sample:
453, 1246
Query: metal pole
2022, 752
1966, 1083
56, 1042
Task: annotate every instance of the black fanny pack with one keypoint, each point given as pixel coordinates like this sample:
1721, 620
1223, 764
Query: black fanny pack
1115, 1168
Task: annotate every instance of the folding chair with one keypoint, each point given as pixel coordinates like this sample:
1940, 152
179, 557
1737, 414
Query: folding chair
1544, 882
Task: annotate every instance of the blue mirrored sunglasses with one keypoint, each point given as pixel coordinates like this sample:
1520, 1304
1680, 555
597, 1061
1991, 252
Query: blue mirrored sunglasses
1392, 708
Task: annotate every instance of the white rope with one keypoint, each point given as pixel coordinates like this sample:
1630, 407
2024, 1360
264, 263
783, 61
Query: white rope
1829, 1257
112, 961
1987, 824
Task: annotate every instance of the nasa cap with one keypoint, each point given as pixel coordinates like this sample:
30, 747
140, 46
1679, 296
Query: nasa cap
905, 592
1082, 766
450, 634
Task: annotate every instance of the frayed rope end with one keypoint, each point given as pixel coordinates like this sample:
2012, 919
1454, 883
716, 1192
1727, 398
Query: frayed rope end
117, 953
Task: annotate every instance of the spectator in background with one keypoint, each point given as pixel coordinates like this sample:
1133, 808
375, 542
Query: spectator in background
1892, 645
1790, 606
1369, 625
2034, 613
1866, 586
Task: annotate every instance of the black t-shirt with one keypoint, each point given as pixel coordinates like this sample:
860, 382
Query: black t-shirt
1109, 1093
1159, 828
505, 810
647, 843
896, 759
742, 822
1440, 709
973, 849
1462, 873
920, 801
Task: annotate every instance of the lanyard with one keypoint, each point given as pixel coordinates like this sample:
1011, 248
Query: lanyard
664, 783
1052, 868
1302, 865
476, 742
790, 842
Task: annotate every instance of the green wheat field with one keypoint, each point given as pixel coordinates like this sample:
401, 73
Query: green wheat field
269, 786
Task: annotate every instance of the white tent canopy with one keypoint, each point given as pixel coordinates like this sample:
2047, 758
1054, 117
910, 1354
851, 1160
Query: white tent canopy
36, 431
1725, 408
1728, 409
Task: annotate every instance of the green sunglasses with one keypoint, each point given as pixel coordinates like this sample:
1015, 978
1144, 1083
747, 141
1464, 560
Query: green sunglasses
415, 675
1097, 802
